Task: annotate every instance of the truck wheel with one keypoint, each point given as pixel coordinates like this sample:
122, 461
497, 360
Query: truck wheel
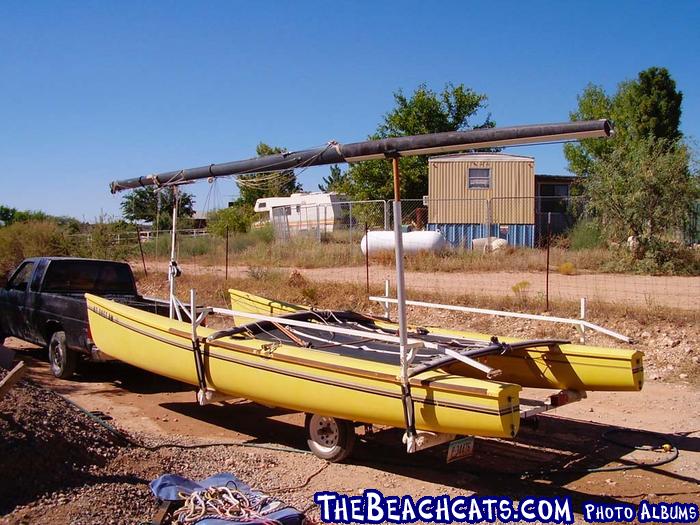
63, 360
329, 438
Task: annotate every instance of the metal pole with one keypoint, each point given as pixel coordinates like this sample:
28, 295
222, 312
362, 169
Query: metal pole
367, 257
546, 289
226, 266
173, 270
401, 297
583, 318
489, 212
350, 225
387, 313
143, 258
318, 225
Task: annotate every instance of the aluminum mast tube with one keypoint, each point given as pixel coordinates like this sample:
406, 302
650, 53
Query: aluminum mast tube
334, 153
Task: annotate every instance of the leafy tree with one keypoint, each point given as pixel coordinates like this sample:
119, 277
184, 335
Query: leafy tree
647, 106
639, 182
643, 188
236, 218
425, 111
270, 184
7, 215
149, 204
336, 180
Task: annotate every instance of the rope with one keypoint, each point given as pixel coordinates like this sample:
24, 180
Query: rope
223, 503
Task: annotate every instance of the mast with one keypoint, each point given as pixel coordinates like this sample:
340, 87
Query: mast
336, 153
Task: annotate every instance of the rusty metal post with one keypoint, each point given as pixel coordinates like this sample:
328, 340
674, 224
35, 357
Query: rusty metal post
143, 258
546, 285
367, 256
226, 265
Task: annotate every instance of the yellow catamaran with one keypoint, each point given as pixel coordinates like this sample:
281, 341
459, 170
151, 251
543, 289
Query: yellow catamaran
344, 368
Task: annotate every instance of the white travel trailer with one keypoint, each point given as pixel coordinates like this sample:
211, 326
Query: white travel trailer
301, 212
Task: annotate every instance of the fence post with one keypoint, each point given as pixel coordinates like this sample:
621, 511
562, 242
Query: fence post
489, 219
226, 265
318, 224
386, 216
582, 327
143, 258
350, 225
546, 282
387, 312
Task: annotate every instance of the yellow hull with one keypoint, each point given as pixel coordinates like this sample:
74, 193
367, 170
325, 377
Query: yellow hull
569, 366
304, 379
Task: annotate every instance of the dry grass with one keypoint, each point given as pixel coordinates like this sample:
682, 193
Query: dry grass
285, 285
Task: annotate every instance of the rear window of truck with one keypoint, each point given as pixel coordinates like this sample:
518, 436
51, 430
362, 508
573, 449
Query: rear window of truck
88, 276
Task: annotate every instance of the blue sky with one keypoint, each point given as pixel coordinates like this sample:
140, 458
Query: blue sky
96, 91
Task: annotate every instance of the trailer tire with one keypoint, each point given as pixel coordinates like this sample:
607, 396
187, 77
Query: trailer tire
330, 438
62, 359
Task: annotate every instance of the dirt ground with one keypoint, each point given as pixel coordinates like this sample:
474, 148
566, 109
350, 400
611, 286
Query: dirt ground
113, 488
637, 290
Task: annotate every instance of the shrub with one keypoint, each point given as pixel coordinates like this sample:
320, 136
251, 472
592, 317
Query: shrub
32, 239
237, 219
585, 235
567, 268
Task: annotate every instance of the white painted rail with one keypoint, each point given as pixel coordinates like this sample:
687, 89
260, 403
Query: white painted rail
581, 323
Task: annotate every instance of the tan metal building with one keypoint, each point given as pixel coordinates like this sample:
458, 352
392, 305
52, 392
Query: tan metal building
476, 195
453, 180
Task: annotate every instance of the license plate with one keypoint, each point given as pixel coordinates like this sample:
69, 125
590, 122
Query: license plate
460, 449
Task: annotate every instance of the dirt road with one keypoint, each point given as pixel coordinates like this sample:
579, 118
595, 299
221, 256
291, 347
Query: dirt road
639, 290
148, 405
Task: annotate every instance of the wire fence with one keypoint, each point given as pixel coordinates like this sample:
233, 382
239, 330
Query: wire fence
324, 241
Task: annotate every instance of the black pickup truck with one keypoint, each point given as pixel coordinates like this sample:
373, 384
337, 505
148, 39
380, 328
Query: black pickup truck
43, 302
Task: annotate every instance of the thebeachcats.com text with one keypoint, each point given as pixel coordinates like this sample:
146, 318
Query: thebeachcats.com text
373, 507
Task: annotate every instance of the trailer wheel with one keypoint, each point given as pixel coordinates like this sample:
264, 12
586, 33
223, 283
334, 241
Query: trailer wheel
329, 438
63, 360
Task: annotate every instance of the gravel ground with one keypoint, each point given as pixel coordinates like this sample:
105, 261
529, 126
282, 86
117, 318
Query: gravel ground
60, 466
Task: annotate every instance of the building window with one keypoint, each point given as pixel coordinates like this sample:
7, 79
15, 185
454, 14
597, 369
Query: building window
479, 178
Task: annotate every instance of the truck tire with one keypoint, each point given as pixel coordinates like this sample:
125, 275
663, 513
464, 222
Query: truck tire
63, 360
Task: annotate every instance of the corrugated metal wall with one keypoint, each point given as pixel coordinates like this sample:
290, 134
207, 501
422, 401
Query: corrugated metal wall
462, 235
448, 189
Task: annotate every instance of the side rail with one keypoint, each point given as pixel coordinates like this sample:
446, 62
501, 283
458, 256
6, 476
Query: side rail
581, 323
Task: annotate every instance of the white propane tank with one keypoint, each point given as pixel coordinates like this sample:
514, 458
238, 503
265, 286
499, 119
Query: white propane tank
412, 241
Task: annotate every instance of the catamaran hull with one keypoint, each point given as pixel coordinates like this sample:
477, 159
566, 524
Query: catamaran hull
304, 379
566, 366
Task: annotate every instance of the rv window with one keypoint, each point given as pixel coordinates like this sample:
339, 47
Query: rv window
262, 204
479, 178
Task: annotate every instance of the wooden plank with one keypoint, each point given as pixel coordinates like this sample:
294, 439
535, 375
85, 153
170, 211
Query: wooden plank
12, 377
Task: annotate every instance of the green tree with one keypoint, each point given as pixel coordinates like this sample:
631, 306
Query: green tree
425, 111
643, 188
155, 206
647, 106
269, 184
7, 215
235, 219
336, 180
639, 182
